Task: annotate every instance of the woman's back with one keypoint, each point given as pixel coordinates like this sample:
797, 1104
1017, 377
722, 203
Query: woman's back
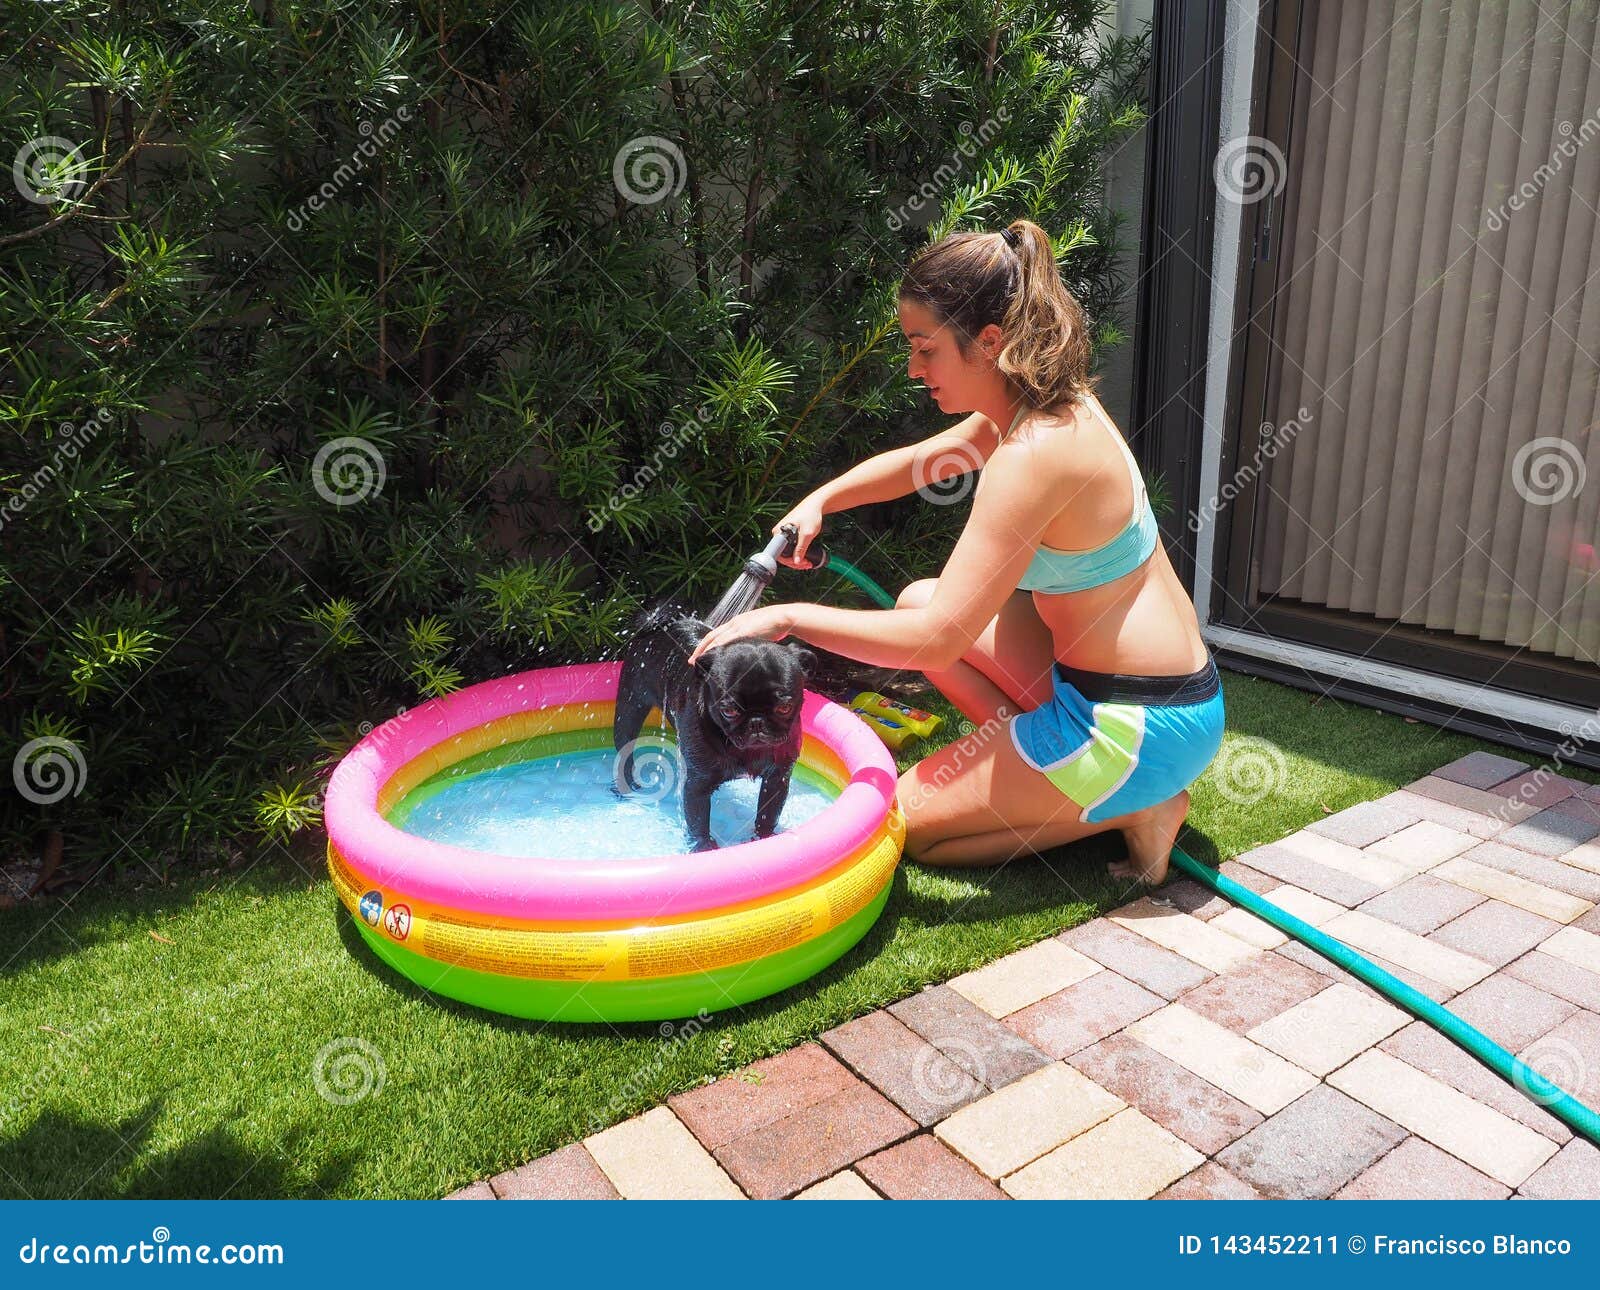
1103, 585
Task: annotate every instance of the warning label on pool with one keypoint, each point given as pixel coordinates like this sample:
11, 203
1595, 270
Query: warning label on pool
397, 921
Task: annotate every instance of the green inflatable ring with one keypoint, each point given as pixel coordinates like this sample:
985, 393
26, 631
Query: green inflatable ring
656, 999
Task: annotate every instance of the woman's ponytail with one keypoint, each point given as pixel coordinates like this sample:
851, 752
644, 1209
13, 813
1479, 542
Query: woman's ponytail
969, 280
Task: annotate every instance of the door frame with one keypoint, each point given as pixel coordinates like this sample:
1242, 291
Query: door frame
1172, 317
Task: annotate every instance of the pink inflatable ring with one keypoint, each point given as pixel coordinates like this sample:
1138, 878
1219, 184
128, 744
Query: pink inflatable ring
603, 938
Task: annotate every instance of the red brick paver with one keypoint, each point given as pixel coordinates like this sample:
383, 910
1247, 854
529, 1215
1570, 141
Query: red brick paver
568, 1174
1140, 960
1573, 1173
763, 1093
1511, 1012
1178, 1100
1209, 1182
1495, 932
903, 1066
987, 1049
1422, 904
1259, 989
1083, 1013
783, 1157
923, 1168
479, 1190
1418, 1170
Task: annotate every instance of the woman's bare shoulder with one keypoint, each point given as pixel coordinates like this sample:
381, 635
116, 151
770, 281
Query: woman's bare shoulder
1050, 441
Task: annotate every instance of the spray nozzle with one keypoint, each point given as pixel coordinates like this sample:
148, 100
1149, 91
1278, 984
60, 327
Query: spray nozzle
816, 554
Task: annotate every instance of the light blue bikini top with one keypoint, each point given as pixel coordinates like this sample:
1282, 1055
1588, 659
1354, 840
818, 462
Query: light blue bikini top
1054, 571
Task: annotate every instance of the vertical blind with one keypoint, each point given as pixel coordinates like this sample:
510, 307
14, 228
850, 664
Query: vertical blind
1432, 431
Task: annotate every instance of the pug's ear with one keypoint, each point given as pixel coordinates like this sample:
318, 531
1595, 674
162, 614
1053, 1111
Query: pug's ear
805, 658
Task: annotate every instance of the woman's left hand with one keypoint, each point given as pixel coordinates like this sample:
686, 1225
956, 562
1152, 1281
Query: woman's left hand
769, 622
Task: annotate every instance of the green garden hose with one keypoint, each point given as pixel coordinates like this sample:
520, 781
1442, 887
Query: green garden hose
1561, 1104
758, 572
838, 564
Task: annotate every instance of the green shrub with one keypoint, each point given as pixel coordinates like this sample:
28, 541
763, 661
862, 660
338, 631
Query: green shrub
357, 351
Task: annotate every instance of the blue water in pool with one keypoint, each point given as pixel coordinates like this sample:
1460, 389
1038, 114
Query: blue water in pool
565, 806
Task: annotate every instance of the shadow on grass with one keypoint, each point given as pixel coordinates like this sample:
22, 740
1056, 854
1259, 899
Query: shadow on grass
61, 1156
53, 927
1200, 846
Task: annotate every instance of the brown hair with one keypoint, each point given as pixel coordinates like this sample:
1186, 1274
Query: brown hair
969, 280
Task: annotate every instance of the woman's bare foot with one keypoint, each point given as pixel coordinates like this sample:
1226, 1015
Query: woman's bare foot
1150, 838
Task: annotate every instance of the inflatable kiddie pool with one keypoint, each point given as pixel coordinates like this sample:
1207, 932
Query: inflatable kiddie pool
602, 938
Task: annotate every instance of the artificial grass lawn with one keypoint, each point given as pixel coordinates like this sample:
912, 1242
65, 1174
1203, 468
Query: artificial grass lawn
185, 1066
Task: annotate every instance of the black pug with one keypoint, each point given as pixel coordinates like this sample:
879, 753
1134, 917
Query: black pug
735, 712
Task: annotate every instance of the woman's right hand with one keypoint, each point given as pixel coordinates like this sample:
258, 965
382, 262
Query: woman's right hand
807, 521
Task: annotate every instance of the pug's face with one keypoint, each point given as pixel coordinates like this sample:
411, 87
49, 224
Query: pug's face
752, 690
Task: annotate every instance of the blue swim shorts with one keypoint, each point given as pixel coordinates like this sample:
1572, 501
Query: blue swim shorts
1115, 743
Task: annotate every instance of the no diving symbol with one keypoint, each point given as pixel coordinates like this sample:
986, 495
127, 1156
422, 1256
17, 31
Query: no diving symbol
397, 921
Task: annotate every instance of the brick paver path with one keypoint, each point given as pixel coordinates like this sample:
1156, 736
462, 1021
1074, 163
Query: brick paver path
1181, 1047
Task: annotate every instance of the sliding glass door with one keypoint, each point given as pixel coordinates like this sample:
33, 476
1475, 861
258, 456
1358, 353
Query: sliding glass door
1413, 472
